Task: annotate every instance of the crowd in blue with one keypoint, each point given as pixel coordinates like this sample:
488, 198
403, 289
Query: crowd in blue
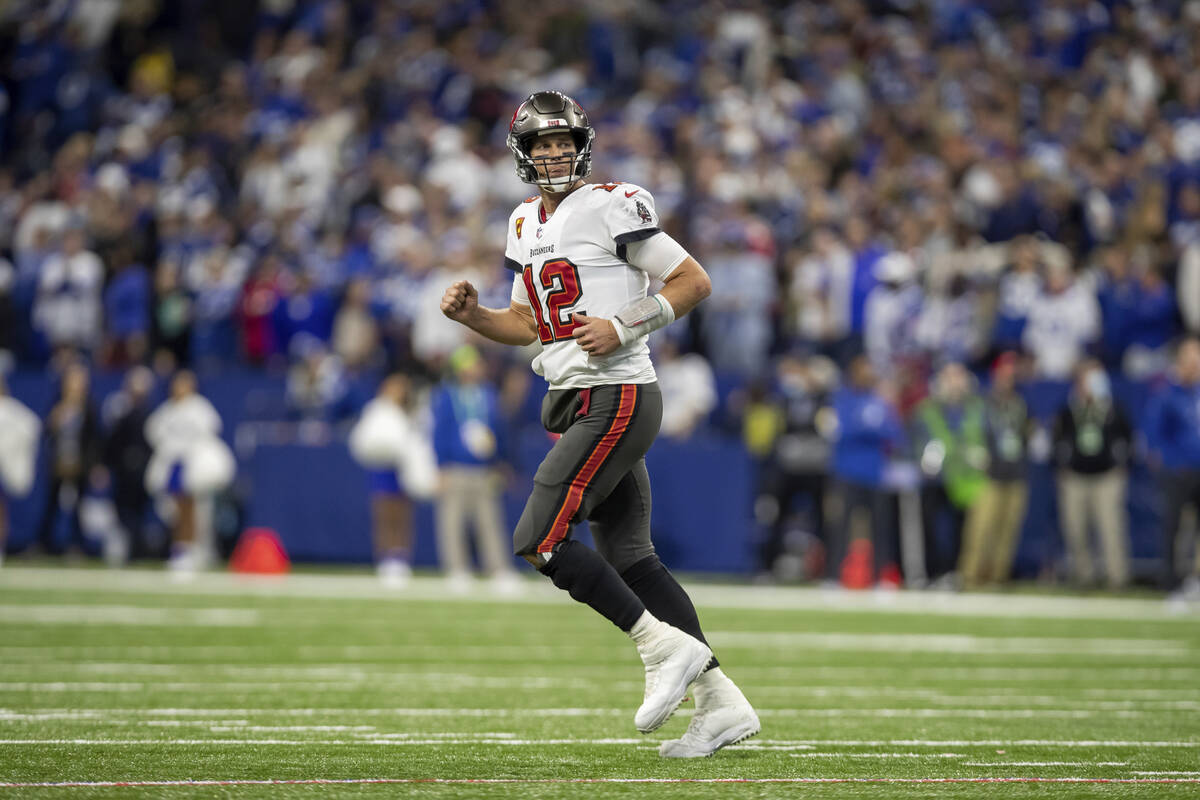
285, 184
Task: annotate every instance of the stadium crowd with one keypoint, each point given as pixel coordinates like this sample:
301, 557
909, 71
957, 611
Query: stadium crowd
894, 200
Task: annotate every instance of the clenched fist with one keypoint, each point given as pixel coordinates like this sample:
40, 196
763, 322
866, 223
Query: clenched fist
461, 302
596, 336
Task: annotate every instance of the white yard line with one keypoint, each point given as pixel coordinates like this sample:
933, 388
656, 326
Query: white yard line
474, 682
127, 615
365, 740
34, 657
877, 755
500, 656
1166, 772
1046, 764
952, 643
541, 592
201, 717
475, 739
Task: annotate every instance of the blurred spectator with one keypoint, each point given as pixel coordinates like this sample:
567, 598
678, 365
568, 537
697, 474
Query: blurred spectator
73, 435
214, 286
993, 523
891, 314
67, 308
260, 297
8, 315
400, 466
953, 456
305, 310
736, 320
317, 388
466, 433
189, 465
822, 284
20, 431
126, 455
1114, 293
1064, 320
868, 431
951, 325
798, 463
1019, 289
127, 311
866, 251
689, 389
1188, 288
433, 337
172, 316
1154, 323
1172, 429
1091, 452
355, 332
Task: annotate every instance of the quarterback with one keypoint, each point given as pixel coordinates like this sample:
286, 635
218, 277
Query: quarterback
583, 256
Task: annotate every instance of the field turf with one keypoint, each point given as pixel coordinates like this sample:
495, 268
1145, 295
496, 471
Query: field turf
231, 688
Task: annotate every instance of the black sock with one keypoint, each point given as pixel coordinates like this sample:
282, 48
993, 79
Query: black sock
664, 597
590, 579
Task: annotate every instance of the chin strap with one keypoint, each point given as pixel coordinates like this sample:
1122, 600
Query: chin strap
643, 317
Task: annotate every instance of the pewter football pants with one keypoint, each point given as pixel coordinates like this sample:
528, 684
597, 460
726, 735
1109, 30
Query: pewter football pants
596, 471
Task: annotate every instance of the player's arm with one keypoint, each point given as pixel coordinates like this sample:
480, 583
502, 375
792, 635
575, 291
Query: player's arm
513, 325
685, 285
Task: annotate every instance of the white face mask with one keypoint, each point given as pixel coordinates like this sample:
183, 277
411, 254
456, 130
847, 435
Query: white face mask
1097, 385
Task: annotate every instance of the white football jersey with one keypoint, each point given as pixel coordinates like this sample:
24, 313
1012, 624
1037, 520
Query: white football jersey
573, 263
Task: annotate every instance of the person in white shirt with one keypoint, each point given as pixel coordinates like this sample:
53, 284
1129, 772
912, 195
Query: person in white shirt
689, 389
20, 432
584, 255
892, 312
191, 463
391, 446
67, 307
1063, 320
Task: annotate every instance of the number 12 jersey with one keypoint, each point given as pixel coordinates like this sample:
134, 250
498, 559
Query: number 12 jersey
573, 262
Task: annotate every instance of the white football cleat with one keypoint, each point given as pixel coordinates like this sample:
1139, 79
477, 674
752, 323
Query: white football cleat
673, 659
723, 717
394, 573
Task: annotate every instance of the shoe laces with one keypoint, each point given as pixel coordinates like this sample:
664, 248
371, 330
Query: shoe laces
693, 732
651, 680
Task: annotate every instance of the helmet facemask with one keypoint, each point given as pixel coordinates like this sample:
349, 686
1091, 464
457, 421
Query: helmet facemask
546, 113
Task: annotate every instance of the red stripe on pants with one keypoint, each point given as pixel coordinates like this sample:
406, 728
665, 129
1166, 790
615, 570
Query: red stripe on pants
579, 484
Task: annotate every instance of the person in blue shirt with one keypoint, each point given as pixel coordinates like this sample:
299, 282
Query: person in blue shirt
1172, 431
466, 441
868, 429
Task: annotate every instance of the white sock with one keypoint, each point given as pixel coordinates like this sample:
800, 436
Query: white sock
646, 628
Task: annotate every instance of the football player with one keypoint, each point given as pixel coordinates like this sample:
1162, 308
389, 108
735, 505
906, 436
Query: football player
583, 256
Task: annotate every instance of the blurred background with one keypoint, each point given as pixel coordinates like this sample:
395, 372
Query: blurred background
954, 246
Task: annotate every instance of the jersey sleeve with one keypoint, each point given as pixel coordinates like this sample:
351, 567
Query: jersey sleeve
630, 215
520, 295
512, 250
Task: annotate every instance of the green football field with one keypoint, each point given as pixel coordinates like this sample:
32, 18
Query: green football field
120, 684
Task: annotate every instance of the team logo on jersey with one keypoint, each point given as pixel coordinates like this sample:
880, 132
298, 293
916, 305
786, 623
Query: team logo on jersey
520, 224
642, 212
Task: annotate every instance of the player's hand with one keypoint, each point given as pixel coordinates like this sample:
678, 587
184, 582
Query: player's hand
461, 302
597, 337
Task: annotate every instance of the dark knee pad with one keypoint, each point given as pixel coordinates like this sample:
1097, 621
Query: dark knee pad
588, 578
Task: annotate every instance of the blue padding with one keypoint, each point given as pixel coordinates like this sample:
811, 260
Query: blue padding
317, 497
